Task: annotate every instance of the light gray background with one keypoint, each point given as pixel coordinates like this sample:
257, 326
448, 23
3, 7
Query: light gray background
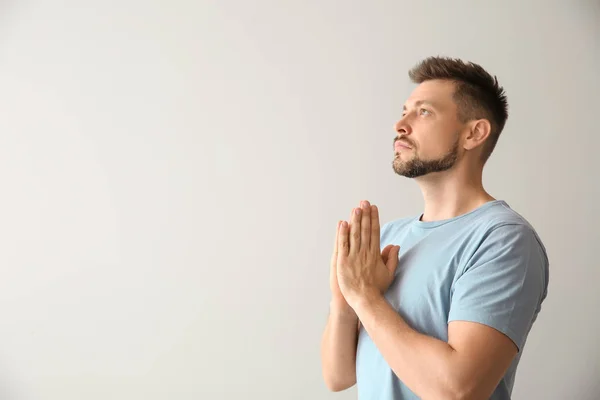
172, 173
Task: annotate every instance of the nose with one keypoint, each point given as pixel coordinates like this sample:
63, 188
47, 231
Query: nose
403, 127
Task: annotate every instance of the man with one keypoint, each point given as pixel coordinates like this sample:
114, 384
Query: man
437, 306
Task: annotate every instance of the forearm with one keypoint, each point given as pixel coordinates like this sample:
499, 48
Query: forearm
425, 364
338, 348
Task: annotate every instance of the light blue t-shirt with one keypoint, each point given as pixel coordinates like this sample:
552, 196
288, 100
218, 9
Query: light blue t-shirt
487, 266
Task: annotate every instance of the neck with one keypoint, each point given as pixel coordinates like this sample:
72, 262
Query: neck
452, 193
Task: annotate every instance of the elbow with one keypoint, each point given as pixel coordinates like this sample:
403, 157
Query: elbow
457, 389
337, 384
449, 395
460, 392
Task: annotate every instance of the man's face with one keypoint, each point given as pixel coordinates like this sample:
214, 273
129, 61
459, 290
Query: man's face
428, 134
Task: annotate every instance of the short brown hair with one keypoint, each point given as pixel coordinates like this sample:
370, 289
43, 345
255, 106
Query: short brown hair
477, 93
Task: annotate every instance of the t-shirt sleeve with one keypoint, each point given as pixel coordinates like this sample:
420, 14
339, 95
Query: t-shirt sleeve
503, 283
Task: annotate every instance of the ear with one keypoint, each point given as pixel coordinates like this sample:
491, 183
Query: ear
478, 133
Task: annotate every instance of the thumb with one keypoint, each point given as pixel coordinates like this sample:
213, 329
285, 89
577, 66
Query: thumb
392, 261
385, 254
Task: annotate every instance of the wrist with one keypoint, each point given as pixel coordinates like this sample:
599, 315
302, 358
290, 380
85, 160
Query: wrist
341, 309
366, 299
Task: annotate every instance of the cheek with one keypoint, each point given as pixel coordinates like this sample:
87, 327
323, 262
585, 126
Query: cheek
432, 147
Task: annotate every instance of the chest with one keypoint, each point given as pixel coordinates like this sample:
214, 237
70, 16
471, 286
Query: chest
421, 291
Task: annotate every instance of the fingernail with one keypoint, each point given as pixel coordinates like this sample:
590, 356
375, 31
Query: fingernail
357, 211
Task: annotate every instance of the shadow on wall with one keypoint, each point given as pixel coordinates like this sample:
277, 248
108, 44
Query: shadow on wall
590, 7
590, 387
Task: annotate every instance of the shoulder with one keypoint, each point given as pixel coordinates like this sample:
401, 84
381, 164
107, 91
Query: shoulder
502, 223
510, 245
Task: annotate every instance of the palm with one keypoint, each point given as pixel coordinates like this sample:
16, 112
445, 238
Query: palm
373, 269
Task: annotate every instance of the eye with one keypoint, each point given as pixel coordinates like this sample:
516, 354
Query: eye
423, 111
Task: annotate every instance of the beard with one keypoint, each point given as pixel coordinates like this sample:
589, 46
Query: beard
417, 167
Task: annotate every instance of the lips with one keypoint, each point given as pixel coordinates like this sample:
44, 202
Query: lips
401, 145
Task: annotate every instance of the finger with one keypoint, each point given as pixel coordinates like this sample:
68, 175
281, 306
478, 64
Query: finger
334, 254
375, 229
365, 224
337, 235
349, 222
343, 244
354, 234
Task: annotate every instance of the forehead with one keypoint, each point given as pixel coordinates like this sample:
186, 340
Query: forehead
439, 92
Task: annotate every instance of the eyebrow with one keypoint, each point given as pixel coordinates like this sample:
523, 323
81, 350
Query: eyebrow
421, 102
